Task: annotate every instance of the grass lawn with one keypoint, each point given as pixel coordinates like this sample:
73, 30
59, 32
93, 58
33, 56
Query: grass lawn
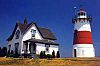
50, 62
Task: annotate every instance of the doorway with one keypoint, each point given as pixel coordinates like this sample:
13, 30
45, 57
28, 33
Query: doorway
33, 48
75, 53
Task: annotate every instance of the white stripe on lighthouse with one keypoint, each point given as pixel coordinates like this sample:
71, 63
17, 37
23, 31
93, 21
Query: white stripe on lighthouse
82, 26
84, 50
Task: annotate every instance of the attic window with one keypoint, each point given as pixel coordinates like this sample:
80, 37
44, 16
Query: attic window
33, 32
17, 34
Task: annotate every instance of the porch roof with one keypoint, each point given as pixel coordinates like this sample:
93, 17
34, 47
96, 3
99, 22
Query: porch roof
41, 41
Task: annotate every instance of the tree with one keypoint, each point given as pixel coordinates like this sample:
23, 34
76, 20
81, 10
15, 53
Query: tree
44, 56
4, 51
58, 54
53, 54
0, 51
41, 54
0, 48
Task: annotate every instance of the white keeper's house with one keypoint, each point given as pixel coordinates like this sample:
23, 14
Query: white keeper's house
31, 39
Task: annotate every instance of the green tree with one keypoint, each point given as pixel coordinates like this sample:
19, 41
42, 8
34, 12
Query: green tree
0, 51
58, 54
44, 55
53, 54
41, 54
4, 51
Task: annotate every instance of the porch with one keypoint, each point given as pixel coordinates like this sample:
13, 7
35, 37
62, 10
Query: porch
29, 48
30, 45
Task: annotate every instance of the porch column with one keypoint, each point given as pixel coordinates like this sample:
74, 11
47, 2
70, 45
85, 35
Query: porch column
28, 51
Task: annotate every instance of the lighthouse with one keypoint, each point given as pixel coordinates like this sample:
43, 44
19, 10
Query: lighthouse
82, 42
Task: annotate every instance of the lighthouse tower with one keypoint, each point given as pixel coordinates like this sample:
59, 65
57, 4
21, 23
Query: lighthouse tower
82, 43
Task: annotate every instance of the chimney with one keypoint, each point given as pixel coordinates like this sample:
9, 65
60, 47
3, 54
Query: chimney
25, 21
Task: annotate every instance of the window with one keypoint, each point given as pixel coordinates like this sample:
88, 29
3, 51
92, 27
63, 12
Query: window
9, 47
47, 48
81, 13
16, 48
17, 34
33, 32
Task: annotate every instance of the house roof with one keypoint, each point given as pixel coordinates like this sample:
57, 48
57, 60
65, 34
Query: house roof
45, 33
41, 41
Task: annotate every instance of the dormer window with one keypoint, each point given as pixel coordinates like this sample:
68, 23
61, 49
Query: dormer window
17, 34
33, 32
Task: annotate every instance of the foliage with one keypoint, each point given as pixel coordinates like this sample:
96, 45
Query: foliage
58, 54
53, 54
42, 54
3, 52
10, 54
48, 56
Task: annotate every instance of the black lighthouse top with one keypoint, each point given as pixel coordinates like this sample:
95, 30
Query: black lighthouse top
81, 15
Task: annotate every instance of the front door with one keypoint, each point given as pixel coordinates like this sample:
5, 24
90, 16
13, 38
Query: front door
74, 52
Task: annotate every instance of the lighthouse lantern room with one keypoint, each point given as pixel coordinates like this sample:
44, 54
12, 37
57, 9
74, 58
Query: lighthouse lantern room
82, 43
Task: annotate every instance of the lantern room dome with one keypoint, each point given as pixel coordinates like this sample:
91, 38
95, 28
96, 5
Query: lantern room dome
81, 12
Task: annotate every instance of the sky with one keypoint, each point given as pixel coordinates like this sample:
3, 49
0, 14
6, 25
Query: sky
53, 14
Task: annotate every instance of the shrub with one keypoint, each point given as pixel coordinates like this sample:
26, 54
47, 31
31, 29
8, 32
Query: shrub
48, 56
3, 52
53, 54
58, 54
41, 54
0, 51
12, 53
44, 55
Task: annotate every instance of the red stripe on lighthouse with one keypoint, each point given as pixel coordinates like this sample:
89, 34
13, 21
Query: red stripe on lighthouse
82, 37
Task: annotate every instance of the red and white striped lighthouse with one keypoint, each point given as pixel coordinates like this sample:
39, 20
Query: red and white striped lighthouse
82, 43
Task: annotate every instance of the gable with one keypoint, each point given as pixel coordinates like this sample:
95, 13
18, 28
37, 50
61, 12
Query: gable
44, 32
28, 34
17, 33
14, 31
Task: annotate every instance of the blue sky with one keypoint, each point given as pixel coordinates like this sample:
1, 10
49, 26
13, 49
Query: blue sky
53, 14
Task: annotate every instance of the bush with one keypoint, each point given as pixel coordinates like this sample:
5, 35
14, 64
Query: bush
12, 53
41, 54
53, 54
3, 52
44, 55
16, 55
0, 51
58, 54
48, 56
